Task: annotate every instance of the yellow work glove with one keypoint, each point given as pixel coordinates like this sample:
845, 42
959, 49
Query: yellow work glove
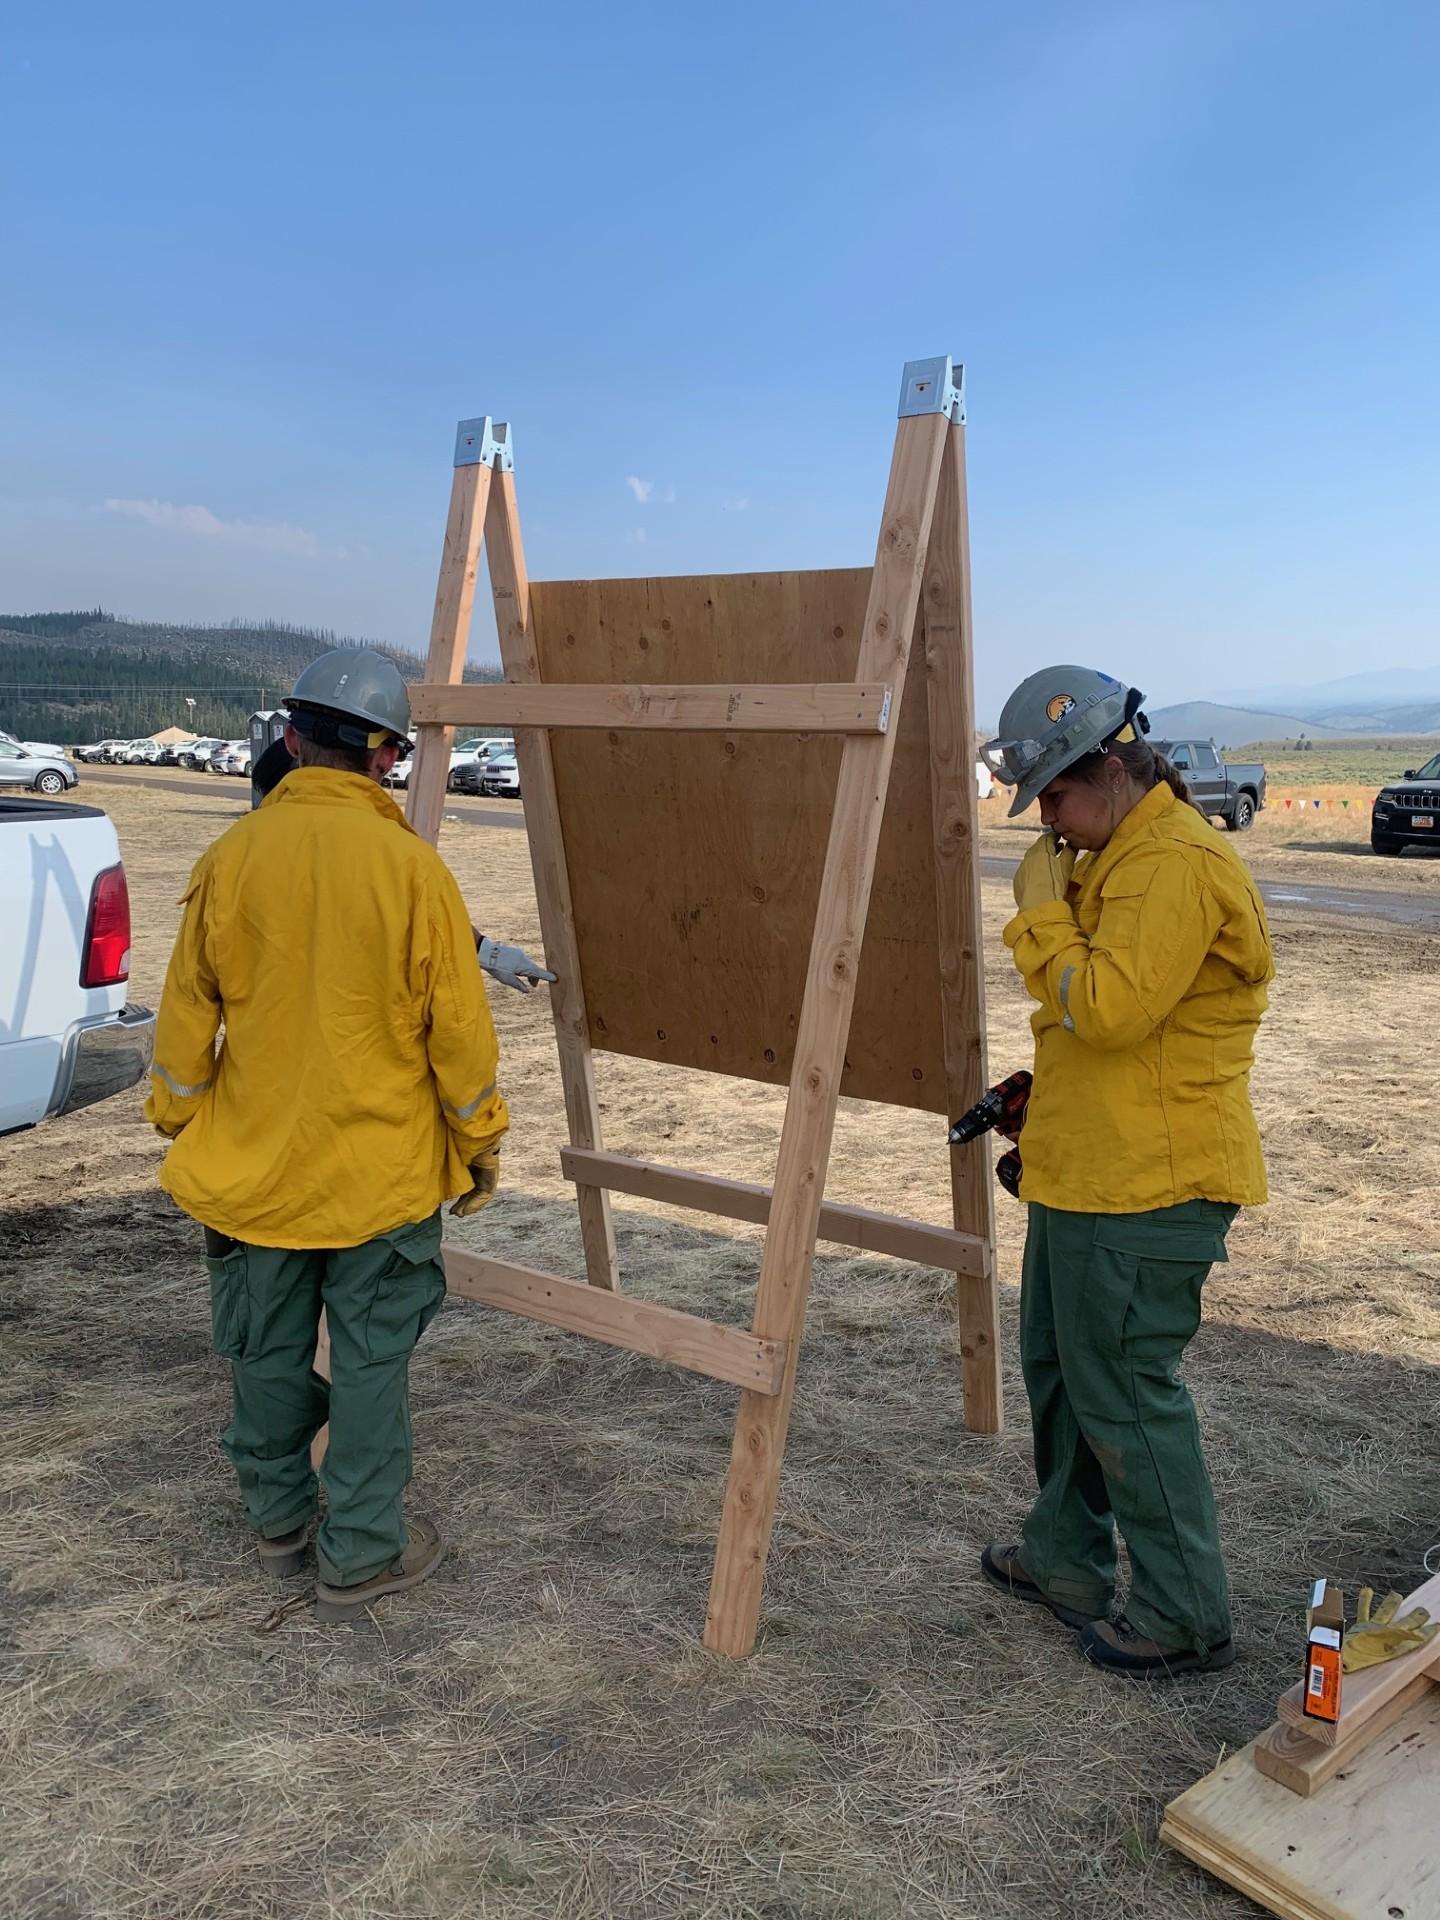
1043, 876
485, 1171
1385, 1634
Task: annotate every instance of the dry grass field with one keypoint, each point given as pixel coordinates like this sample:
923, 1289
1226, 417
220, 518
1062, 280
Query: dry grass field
1332, 760
538, 1733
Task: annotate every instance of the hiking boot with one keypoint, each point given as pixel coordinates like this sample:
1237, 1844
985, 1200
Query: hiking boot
419, 1560
1001, 1567
1121, 1648
284, 1553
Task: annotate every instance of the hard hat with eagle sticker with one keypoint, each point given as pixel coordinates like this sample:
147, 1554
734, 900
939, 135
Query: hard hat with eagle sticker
1052, 720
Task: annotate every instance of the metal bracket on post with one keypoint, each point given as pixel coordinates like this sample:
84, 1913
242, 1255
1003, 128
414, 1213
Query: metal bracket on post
933, 386
485, 443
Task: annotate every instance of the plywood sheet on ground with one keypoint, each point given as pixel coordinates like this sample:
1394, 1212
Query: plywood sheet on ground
695, 859
1365, 1847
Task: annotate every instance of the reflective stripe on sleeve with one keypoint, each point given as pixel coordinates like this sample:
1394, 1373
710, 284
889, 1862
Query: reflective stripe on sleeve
1066, 977
465, 1113
180, 1091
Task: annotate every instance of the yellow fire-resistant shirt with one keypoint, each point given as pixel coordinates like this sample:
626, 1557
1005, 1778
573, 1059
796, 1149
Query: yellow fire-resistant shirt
355, 1082
1151, 981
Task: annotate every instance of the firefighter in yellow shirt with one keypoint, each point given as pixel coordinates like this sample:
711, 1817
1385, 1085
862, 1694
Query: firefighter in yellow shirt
354, 1092
1142, 937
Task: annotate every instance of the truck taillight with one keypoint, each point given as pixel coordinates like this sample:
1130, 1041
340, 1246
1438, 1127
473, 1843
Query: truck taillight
105, 961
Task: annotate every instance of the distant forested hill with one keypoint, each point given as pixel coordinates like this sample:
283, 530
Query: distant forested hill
73, 677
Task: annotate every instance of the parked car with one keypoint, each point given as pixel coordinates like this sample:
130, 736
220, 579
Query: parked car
215, 759
40, 773
233, 757
469, 776
142, 753
198, 753
96, 750
501, 777
68, 1037
45, 749
1234, 794
1407, 812
171, 751
467, 753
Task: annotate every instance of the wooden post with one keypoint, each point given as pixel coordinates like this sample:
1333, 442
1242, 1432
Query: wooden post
824, 1026
510, 585
449, 637
949, 680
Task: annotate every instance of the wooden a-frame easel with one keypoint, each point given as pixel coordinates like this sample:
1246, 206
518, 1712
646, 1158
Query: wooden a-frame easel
919, 590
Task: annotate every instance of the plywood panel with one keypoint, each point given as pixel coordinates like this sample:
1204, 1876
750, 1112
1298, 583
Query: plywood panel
1366, 1847
695, 860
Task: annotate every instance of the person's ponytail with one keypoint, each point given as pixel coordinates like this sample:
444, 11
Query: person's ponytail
1142, 764
1170, 774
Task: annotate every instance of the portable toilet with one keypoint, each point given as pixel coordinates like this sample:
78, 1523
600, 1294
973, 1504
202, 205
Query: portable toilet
266, 727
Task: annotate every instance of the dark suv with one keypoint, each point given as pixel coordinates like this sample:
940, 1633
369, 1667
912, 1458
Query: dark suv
1407, 813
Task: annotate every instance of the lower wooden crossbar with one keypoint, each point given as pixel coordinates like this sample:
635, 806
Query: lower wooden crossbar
930, 1246
684, 1339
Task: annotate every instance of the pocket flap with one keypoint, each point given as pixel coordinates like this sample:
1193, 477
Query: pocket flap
1151, 1236
417, 1243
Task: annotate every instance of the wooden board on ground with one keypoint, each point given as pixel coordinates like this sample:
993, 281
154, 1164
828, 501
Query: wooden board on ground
1301, 1764
695, 860
1366, 1848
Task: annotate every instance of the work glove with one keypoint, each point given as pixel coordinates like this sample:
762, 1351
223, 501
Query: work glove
1043, 876
485, 1172
1385, 1634
511, 966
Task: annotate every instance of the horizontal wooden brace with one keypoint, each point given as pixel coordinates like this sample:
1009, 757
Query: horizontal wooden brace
834, 707
684, 1339
962, 1253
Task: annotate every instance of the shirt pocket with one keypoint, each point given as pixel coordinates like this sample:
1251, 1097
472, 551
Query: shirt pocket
1121, 899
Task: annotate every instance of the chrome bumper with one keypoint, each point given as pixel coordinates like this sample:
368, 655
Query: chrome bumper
105, 1059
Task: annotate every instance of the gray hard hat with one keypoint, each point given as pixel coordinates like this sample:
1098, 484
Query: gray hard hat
359, 685
1055, 718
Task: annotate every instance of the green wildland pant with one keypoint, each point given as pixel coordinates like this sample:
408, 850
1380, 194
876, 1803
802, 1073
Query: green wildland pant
1109, 1303
378, 1299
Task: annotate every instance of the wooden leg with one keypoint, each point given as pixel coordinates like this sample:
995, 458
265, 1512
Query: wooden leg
753, 1485
950, 692
511, 587
449, 638
322, 1367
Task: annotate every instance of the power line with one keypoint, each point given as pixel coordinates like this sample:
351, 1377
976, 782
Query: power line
33, 687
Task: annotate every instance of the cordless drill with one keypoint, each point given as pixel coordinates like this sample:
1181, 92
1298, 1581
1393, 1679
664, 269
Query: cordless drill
1003, 1107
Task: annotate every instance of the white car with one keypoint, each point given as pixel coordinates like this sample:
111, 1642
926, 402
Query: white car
501, 777
479, 747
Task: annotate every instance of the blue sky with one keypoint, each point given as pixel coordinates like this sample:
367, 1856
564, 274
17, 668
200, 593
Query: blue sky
259, 261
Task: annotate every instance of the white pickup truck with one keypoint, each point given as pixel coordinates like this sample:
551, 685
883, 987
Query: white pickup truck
67, 1036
